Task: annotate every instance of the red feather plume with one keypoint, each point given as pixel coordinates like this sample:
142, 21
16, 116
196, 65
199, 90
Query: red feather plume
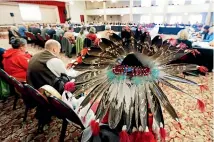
124, 137
203, 87
202, 69
95, 127
201, 105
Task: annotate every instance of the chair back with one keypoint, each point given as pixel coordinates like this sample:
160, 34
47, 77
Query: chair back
157, 41
60, 37
55, 37
4, 75
40, 99
66, 47
63, 111
87, 43
47, 37
40, 37
30, 35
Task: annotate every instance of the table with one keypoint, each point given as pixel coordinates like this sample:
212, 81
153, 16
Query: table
100, 28
169, 30
206, 56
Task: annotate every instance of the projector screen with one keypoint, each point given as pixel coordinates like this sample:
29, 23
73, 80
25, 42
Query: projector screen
30, 12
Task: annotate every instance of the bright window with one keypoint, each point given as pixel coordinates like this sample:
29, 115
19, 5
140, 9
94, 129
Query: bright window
178, 2
197, 1
195, 18
158, 19
30, 12
159, 2
145, 19
175, 19
146, 3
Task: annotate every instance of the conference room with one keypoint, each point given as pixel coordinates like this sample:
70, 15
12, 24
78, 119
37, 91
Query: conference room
106, 71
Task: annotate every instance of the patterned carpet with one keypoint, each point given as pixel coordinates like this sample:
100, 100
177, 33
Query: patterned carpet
196, 126
13, 129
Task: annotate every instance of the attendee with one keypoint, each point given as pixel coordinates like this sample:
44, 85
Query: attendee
183, 38
44, 30
126, 36
52, 31
60, 31
92, 34
2, 50
15, 59
138, 32
12, 32
70, 35
45, 66
22, 30
36, 29
80, 40
107, 32
209, 36
204, 33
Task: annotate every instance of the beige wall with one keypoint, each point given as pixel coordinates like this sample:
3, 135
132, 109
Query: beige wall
49, 14
113, 18
77, 9
125, 18
95, 18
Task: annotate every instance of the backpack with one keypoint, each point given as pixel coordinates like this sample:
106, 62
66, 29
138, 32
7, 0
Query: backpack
4, 89
59, 82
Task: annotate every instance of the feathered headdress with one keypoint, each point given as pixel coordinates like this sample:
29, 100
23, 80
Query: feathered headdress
125, 83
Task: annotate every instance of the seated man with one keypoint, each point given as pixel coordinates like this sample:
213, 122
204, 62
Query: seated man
52, 31
44, 67
60, 31
15, 60
204, 33
209, 36
69, 35
22, 30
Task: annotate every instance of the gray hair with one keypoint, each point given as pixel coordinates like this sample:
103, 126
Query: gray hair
50, 44
108, 27
183, 34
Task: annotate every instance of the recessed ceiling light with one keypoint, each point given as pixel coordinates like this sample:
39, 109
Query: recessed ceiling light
185, 13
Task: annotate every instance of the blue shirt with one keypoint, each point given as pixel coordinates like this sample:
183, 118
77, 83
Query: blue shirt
209, 37
22, 31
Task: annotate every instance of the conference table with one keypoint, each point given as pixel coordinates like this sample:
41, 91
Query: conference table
205, 58
116, 28
170, 30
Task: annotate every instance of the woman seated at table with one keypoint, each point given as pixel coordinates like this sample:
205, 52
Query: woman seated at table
183, 38
15, 59
209, 36
92, 34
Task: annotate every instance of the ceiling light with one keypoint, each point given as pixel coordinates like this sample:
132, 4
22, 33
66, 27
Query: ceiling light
113, 1
121, 15
185, 13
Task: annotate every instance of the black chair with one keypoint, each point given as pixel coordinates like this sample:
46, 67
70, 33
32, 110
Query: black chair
41, 40
27, 99
43, 112
64, 112
7, 79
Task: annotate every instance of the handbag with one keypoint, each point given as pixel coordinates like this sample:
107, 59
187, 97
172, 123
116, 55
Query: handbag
4, 89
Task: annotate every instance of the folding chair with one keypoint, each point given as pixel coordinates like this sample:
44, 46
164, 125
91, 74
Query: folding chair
64, 112
43, 113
